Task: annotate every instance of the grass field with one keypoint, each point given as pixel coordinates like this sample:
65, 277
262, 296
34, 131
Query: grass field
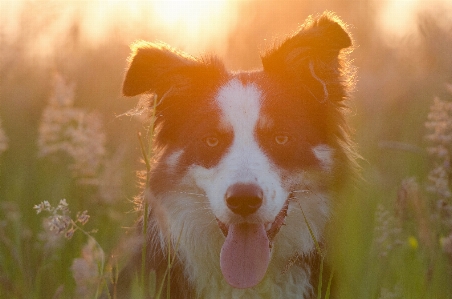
68, 152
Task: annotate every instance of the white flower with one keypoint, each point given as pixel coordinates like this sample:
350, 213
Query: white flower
85, 270
43, 206
439, 124
72, 131
387, 234
82, 217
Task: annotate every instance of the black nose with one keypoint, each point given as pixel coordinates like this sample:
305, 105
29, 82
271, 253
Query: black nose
244, 199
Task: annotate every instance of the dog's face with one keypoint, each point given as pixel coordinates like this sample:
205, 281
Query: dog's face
242, 154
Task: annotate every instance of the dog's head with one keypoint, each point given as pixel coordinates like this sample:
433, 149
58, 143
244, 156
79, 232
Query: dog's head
248, 152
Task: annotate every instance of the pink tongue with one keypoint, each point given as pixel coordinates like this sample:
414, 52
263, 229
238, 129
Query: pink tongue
245, 255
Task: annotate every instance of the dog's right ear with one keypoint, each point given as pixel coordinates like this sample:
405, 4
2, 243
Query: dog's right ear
157, 68
150, 67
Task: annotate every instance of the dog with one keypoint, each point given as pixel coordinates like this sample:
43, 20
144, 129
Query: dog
245, 164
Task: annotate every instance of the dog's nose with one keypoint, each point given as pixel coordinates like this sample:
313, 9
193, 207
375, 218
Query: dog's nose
244, 199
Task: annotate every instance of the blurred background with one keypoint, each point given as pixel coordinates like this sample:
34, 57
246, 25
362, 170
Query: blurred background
64, 133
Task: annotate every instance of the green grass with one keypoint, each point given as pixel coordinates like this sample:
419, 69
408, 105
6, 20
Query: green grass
376, 252
410, 268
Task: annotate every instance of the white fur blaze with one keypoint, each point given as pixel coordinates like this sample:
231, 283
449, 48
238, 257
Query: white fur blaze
325, 155
244, 162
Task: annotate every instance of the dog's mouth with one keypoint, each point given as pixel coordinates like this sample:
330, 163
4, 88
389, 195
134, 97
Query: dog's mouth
245, 254
271, 228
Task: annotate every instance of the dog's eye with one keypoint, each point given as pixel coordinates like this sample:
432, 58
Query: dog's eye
211, 141
281, 139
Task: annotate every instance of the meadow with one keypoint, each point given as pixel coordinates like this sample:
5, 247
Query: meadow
69, 152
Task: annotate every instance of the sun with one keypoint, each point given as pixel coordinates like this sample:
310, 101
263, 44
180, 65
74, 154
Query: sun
194, 24
192, 14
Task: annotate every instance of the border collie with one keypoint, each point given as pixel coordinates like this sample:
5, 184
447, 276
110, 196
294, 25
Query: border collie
243, 162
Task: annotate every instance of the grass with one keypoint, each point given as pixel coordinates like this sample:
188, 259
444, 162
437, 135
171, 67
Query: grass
322, 259
387, 244
391, 233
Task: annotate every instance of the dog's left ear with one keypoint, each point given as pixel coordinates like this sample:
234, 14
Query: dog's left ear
313, 55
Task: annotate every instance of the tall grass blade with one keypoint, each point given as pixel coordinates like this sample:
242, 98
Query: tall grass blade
168, 269
319, 286
147, 158
168, 280
319, 251
143, 152
328, 288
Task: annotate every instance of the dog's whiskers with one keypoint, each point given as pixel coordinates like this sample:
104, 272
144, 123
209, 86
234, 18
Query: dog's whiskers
188, 193
302, 191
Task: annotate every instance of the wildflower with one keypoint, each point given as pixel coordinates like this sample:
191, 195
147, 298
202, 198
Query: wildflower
59, 221
110, 179
387, 232
87, 146
63, 93
43, 206
83, 217
412, 241
69, 233
85, 270
63, 206
71, 131
439, 125
49, 239
444, 213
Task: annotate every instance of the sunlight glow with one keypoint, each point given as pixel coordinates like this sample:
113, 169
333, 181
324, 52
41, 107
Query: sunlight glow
399, 18
192, 14
192, 25
196, 23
